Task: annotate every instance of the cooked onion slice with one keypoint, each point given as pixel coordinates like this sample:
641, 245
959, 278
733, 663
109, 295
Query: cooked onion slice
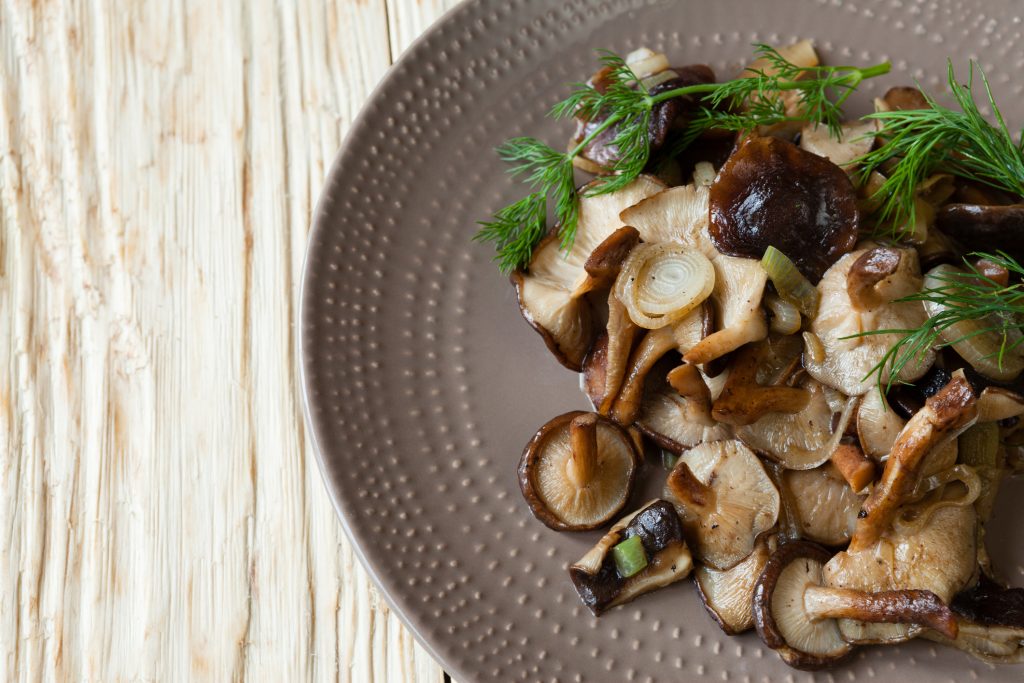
661, 283
978, 341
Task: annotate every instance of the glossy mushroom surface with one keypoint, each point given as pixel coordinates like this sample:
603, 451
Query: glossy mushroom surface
772, 193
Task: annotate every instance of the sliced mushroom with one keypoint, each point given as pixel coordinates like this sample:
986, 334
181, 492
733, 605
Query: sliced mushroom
744, 400
846, 357
798, 440
985, 228
881, 275
795, 613
855, 140
578, 471
606, 364
551, 291
739, 287
678, 214
676, 414
937, 556
728, 595
772, 193
825, 506
599, 583
942, 419
725, 500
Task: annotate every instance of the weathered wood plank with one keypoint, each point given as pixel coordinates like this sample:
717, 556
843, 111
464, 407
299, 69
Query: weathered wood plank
162, 514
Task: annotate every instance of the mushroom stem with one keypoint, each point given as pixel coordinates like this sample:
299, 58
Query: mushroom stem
687, 381
743, 401
652, 347
884, 607
583, 444
857, 469
944, 416
685, 486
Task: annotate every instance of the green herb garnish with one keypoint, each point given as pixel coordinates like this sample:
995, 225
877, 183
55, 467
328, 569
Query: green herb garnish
964, 295
740, 105
942, 140
630, 557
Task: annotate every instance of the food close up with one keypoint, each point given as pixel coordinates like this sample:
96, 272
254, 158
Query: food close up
806, 329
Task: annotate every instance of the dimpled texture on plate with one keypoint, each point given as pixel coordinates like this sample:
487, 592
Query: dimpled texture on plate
423, 383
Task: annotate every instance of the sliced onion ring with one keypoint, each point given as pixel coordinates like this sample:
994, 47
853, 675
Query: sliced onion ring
660, 283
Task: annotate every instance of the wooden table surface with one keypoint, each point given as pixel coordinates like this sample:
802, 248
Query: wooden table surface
163, 517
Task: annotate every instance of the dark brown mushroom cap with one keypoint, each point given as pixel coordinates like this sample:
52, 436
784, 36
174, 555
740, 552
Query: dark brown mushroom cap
772, 193
990, 604
904, 98
985, 228
598, 582
603, 152
768, 627
548, 487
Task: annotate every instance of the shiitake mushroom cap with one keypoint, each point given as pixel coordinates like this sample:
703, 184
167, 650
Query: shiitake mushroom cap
772, 193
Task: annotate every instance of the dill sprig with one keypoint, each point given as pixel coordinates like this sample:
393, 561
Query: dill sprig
942, 140
741, 104
964, 295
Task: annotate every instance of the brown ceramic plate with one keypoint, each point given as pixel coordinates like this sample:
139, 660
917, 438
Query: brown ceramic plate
422, 382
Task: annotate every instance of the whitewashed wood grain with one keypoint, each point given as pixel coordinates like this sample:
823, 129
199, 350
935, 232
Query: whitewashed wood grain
162, 516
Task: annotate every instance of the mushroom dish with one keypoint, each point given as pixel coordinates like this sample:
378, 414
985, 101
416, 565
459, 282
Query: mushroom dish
782, 321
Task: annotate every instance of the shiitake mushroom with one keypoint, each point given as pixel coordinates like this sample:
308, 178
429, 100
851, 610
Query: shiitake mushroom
985, 228
772, 193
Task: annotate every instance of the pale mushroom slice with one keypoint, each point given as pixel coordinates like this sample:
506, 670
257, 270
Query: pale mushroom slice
725, 500
845, 358
551, 290
596, 576
728, 595
797, 440
824, 504
855, 140
739, 288
680, 214
938, 556
578, 471
944, 417
676, 412
795, 613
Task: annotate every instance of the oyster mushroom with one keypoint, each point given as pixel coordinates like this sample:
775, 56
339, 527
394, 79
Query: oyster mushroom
598, 580
795, 613
676, 413
578, 471
725, 500
823, 503
878, 425
944, 417
728, 595
772, 193
800, 440
938, 555
550, 291
844, 360
985, 228
680, 214
855, 140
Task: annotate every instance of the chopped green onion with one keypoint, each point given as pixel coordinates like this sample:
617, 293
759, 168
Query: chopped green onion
630, 557
669, 460
790, 282
979, 445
